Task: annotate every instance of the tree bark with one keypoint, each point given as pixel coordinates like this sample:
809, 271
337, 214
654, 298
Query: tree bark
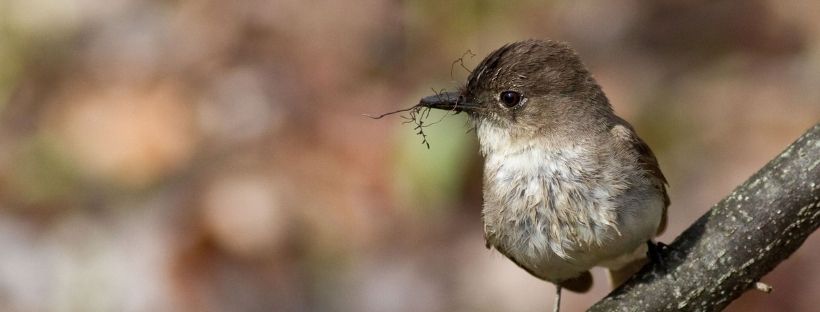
743, 237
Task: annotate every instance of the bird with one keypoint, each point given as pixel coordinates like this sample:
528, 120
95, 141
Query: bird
567, 184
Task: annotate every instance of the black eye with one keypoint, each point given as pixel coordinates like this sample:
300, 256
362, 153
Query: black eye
510, 98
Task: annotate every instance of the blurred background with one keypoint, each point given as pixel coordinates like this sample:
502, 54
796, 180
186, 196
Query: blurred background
211, 155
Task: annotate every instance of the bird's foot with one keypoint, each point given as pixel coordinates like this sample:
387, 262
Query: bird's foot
656, 253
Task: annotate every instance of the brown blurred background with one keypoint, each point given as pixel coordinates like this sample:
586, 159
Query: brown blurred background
211, 155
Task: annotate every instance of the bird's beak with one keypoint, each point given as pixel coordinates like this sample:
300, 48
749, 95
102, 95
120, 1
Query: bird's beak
448, 101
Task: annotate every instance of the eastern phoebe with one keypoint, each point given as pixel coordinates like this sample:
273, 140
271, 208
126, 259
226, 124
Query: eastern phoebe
568, 185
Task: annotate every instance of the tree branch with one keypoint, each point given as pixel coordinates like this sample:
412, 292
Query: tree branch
743, 237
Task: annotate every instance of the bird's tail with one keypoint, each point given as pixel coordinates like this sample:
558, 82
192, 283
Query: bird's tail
625, 266
580, 284
620, 275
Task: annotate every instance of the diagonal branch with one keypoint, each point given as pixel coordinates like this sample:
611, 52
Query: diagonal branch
738, 241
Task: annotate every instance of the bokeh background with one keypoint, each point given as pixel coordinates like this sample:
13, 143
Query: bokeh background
211, 155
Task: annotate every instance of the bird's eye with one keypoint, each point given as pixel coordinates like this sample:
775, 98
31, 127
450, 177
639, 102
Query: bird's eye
510, 98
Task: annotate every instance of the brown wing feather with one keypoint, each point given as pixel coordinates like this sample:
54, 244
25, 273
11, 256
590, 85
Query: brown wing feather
648, 162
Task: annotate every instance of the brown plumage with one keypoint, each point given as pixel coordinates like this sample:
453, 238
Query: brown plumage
568, 185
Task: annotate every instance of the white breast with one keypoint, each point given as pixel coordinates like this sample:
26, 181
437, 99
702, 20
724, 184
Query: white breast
546, 205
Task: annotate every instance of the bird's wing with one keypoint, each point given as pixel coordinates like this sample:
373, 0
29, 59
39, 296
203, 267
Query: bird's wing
647, 162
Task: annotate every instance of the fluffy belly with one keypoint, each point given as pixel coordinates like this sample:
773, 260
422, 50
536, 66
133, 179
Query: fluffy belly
557, 221
566, 255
